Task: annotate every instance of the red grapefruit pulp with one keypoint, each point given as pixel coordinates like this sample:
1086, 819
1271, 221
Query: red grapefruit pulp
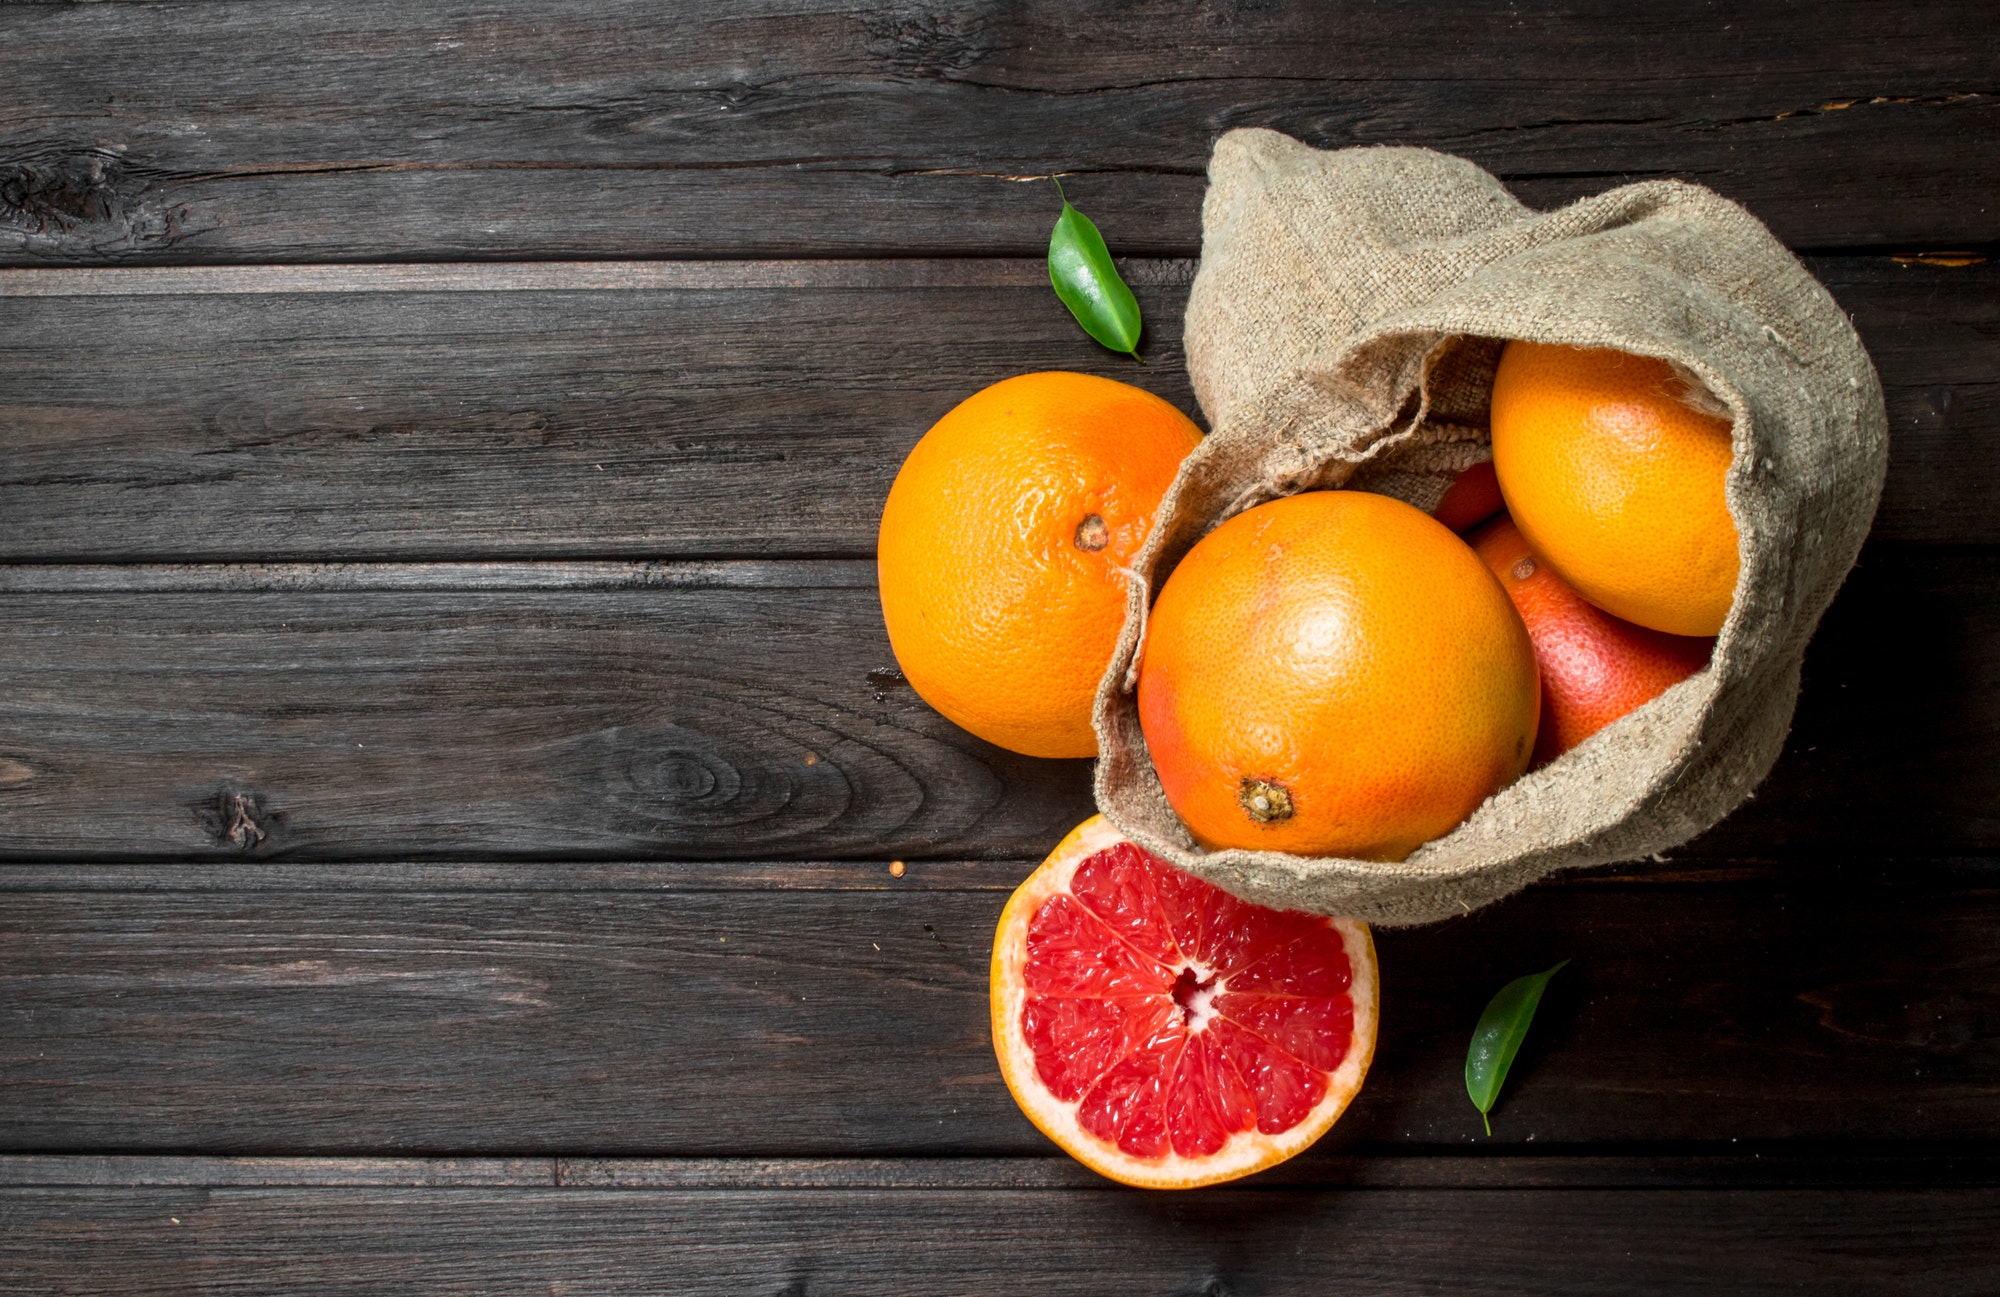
1165, 1033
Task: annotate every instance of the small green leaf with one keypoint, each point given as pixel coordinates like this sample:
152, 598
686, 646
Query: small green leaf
1088, 283
1498, 1038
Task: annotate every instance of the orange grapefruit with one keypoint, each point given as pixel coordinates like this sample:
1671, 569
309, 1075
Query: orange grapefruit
1002, 546
1334, 674
1595, 668
1616, 477
1166, 1034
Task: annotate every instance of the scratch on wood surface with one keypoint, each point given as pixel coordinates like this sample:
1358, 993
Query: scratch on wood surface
1865, 101
482, 985
1952, 259
14, 773
990, 175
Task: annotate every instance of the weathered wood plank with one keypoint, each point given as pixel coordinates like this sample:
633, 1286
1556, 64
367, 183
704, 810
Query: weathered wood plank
1892, 741
1584, 1242
790, 1023
534, 129
688, 721
660, 411
674, 712
644, 423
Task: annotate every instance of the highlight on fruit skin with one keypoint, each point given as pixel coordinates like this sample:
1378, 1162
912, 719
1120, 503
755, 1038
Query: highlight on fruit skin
1334, 674
1595, 668
1002, 550
1166, 1034
1616, 469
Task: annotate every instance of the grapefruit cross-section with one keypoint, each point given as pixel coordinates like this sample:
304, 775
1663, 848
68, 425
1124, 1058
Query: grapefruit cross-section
1165, 1033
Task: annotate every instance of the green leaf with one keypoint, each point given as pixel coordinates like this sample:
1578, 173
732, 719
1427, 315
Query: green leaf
1498, 1038
1088, 283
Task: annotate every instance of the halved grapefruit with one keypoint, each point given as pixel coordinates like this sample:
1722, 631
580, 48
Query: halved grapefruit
1165, 1033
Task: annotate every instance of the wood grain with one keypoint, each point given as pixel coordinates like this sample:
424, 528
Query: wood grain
591, 716
1584, 1242
639, 423
536, 129
317, 413
696, 720
1887, 753
823, 1023
448, 770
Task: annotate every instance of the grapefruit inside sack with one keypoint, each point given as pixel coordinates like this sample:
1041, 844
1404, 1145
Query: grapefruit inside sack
1165, 1033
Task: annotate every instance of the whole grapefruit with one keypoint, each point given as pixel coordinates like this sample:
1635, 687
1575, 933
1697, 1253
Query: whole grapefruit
1614, 469
1334, 673
1595, 667
1002, 546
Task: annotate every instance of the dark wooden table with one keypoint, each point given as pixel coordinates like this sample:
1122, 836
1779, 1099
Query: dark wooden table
448, 777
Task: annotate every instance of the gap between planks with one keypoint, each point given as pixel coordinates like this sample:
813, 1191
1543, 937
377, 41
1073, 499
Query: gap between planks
320, 578
1754, 1169
398, 576
435, 877
563, 276
438, 877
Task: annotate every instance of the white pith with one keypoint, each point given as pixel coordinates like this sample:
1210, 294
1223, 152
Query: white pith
1201, 1005
1246, 1151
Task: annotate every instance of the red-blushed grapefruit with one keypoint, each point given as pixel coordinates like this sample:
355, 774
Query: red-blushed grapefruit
1165, 1033
1595, 668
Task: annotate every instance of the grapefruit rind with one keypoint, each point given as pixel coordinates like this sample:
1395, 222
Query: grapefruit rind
1247, 1151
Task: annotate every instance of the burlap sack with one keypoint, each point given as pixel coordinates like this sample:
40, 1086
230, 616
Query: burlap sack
1342, 331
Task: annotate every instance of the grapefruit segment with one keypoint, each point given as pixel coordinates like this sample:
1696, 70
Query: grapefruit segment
1165, 1033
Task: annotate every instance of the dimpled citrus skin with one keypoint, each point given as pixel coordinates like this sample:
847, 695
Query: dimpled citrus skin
1348, 652
1595, 667
1617, 483
1001, 544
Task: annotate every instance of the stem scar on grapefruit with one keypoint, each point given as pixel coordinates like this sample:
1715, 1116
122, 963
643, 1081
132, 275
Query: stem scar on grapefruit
1003, 548
1165, 1033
